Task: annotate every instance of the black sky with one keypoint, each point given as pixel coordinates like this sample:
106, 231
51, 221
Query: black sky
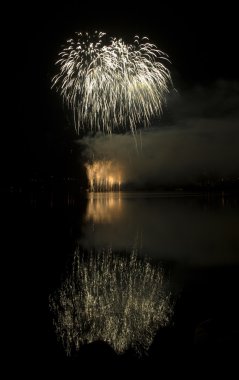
37, 139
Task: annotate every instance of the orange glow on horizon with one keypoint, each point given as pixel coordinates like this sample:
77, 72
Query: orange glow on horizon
104, 176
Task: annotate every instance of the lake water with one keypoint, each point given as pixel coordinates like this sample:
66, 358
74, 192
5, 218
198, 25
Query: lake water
123, 279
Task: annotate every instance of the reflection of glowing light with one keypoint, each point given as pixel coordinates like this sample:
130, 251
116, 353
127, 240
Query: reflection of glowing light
104, 176
118, 299
103, 208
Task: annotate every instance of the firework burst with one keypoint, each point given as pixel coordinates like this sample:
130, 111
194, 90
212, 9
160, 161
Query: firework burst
109, 84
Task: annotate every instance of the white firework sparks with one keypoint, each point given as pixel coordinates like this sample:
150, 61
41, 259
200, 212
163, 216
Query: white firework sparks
109, 84
118, 299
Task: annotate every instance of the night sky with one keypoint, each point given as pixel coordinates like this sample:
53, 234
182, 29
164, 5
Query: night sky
38, 138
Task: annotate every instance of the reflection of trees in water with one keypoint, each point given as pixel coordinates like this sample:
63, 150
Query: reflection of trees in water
119, 299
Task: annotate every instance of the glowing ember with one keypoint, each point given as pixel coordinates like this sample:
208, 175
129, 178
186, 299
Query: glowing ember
104, 176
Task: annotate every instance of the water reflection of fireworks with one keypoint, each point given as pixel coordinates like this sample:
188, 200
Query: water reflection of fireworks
102, 208
119, 299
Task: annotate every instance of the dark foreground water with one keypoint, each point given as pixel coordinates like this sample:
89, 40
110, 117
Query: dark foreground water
142, 282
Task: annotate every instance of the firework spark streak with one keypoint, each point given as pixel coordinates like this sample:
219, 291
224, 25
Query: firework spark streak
109, 84
118, 299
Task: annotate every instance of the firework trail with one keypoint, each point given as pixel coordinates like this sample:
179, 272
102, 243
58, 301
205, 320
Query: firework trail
109, 84
118, 299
